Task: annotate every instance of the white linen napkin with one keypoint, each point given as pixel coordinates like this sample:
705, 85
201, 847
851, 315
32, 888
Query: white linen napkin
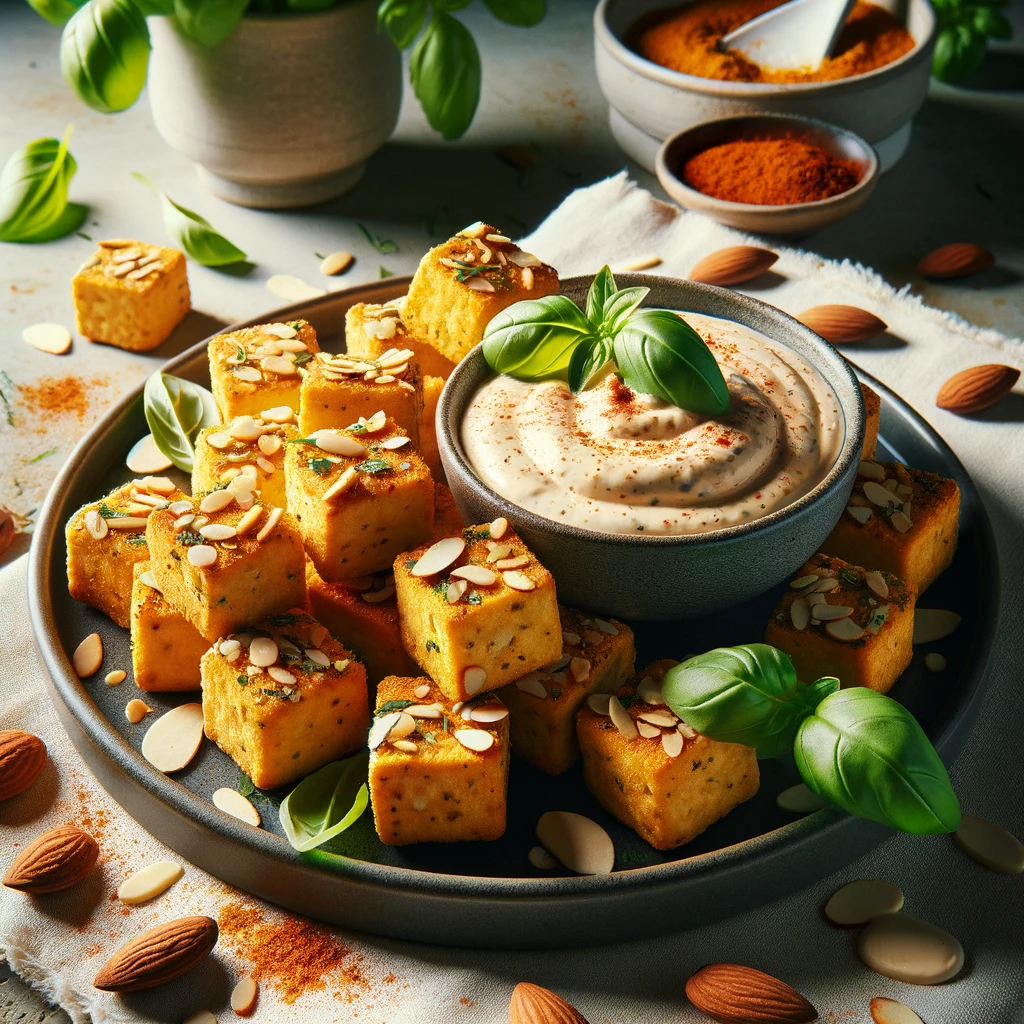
58, 942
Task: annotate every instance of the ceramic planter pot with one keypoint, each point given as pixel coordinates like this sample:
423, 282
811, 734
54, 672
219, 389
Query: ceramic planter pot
657, 578
286, 110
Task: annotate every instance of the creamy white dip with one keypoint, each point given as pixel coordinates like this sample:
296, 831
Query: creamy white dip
614, 461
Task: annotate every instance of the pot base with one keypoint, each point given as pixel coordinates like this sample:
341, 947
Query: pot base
286, 195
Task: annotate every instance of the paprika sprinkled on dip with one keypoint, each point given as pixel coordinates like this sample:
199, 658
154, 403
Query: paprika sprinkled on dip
614, 461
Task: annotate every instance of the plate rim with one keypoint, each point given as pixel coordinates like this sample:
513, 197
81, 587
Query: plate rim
99, 738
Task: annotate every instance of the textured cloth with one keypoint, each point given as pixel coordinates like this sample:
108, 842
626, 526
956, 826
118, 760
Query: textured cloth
58, 942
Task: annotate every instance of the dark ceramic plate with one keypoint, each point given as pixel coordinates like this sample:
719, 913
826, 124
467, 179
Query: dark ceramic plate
488, 894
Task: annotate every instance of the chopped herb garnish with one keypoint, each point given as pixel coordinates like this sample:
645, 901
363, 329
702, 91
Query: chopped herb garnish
850, 578
242, 680
430, 737
311, 666
297, 325
300, 358
626, 701
41, 456
472, 533
138, 540
432, 645
275, 693
320, 465
108, 513
3, 397
410, 563
245, 785
373, 466
441, 588
189, 537
474, 598
381, 245
464, 271
302, 440
393, 705
383, 272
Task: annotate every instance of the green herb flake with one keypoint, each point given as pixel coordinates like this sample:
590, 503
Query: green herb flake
474, 533
432, 645
392, 705
242, 680
474, 598
849, 577
108, 513
383, 272
138, 540
321, 466
430, 737
245, 785
381, 245
373, 466
41, 456
189, 537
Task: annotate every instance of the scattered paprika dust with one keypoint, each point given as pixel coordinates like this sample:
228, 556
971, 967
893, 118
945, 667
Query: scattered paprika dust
771, 172
686, 39
293, 956
60, 395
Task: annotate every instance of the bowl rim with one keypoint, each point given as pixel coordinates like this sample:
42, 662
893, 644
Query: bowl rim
616, 48
866, 183
455, 461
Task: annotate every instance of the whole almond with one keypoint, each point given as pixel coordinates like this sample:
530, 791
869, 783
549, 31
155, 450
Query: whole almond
733, 265
22, 759
957, 260
735, 994
842, 325
160, 955
532, 1004
57, 860
976, 388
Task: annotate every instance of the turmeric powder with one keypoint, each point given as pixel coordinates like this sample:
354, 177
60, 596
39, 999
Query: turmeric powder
686, 39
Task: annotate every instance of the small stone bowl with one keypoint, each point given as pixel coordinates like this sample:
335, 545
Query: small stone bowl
656, 577
787, 219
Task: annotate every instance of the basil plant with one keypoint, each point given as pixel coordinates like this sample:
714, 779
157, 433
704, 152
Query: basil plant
857, 748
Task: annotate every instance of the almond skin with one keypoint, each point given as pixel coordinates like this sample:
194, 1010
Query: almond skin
735, 994
842, 325
22, 759
532, 1004
977, 388
734, 265
160, 955
57, 860
960, 259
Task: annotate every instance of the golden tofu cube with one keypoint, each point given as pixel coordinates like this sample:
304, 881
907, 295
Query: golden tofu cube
370, 330
130, 294
872, 414
462, 284
597, 657
246, 445
448, 521
437, 774
335, 396
357, 511
166, 647
912, 533
870, 647
664, 780
364, 619
105, 540
221, 580
470, 637
432, 387
281, 719
260, 368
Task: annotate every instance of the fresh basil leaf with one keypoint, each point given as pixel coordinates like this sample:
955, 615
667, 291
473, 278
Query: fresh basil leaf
959, 51
209, 22
326, 803
104, 54
619, 308
534, 339
176, 410
56, 12
518, 12
868, 754
193, 233
34, 183
588, 359
402, 19
746, 694
989, 22
445, 72
658, 353
601, 290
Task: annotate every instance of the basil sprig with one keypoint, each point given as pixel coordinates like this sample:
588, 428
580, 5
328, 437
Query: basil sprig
56, 12
176, 410
195, 234
863, 751
34, 183
655, 350
964, 29
326, 803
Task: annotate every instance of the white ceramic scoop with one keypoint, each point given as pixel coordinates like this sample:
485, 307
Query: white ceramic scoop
799, 34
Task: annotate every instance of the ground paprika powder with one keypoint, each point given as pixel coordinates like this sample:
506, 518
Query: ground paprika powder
769, 171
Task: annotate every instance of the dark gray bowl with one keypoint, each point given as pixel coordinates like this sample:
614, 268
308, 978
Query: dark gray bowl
659, 578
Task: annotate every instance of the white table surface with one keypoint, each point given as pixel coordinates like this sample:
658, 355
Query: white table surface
960, 180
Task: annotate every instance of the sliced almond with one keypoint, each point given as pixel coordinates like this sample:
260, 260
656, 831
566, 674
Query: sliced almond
892, 1011
146, 457
990, 844
248, 520
149, 882
498, 527
578, 842
498, 552
621, 720
648, 731
336, 443
860, 902
232, 802
473, 678
95, 525
173, 739
216, 501
672, 743
599, 703
831, 612
244, 996
799, 614
88, 656
476, 574
512, 563
799, 799
533, 684
649, 691
518, 581
439, 556
876, 582
478, 740
844, 629
202, 555
263, 651
931, 624
115, 678
269, 525
488, 714
455, 591
580, 669
136, 710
